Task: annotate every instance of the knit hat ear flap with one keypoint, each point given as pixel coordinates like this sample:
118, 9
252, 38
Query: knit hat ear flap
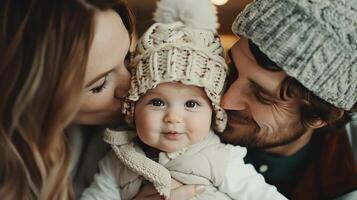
220, 118
128, 110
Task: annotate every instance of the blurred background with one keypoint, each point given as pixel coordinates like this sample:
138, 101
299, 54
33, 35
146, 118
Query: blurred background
227, 11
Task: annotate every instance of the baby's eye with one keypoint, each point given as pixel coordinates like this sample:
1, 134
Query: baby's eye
157, 102
191, 104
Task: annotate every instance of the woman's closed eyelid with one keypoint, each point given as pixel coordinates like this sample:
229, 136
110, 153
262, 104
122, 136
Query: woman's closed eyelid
101, 84
99, 88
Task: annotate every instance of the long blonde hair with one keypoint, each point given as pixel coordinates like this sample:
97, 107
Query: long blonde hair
44, 49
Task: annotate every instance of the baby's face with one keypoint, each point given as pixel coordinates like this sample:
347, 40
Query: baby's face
173, 116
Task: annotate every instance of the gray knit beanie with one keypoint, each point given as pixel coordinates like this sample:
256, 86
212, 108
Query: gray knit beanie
314, 41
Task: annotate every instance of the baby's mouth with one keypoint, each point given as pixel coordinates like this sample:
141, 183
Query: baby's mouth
172, 134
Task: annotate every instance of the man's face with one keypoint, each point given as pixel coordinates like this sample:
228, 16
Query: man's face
257, 117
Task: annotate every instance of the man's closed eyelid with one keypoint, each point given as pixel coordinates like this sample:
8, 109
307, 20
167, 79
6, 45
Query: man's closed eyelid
262, 92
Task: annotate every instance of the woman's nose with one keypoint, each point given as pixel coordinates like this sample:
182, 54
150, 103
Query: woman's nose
123, 85
121, 92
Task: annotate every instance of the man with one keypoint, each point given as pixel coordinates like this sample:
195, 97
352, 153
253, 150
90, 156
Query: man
292, 89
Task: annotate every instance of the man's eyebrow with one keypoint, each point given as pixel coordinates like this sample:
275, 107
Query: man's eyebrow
99, 77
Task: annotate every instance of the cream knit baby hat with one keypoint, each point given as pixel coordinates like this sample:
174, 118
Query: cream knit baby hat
182, 46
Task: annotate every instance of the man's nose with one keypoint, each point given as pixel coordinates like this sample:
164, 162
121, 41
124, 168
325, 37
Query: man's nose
235, 98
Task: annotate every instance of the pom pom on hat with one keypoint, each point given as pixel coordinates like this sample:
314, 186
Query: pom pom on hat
200, 14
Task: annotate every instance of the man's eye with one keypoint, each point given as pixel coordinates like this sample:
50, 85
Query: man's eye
157, 102
261, 96
191, 104
101, 87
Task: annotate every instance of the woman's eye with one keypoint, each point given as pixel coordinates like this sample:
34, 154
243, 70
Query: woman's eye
101, 87
191, 104
157, 102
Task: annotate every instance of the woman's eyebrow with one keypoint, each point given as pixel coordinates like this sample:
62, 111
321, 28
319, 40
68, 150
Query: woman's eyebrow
99, 77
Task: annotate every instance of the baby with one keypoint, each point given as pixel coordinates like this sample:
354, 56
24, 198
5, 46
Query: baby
178, 76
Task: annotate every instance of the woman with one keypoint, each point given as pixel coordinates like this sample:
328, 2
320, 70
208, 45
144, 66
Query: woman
62, 63
49, 72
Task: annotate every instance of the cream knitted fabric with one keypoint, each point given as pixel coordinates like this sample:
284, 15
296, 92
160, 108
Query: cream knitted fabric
204, 163
177, 53
157, 174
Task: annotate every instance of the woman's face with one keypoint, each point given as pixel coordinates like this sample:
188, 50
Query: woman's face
107, 79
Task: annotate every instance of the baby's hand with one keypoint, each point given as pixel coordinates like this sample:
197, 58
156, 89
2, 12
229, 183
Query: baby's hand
185, 192
178, 192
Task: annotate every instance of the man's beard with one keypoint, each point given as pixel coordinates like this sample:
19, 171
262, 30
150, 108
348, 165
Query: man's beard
251, 135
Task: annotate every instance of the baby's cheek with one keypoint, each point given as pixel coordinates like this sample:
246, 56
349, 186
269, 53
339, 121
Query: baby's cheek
202, 124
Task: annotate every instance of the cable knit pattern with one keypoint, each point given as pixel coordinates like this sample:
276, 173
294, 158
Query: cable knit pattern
177, 53
158, 175
314, 41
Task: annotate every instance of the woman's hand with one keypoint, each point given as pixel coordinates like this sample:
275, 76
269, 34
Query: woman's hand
178, 191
